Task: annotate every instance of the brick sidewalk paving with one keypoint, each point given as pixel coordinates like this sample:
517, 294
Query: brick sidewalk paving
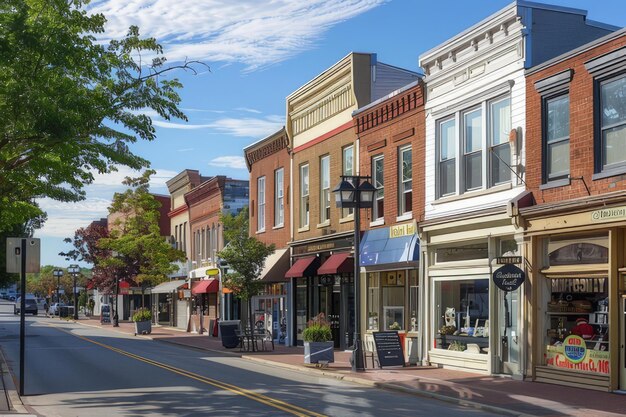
495, 393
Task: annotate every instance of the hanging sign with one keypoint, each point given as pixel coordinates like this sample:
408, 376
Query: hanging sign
508, 277
211, 272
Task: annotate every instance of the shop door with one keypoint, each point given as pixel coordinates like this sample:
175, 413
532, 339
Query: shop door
510, 339
622, 347
334, 314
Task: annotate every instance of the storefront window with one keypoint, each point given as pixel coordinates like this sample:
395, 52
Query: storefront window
479, 250
373, 295
413, 300
578, 325
301, 306
393, 283
462, 315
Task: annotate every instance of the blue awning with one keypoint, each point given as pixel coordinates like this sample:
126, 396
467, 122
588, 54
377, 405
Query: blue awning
377, 248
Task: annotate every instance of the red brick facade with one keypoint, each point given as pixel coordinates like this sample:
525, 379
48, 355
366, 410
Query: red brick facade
582, 130
264, 159
205, 206
385, 128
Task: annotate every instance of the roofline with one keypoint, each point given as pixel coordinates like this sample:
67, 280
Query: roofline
388, 96
518, 3
258, 142
577, 51
419, 74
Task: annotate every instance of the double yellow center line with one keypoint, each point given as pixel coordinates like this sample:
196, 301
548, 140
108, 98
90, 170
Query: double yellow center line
272, 402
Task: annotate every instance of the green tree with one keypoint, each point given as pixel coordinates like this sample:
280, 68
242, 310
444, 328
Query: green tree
245, 256
71, 105
142, 253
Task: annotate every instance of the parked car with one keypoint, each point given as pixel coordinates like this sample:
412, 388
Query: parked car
54, 308
30, 306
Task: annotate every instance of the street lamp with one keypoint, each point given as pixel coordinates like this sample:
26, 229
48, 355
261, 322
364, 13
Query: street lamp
74, 270
356, 192
116, 319
58, 273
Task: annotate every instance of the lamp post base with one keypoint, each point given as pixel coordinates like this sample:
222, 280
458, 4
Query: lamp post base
116, 321
358, 364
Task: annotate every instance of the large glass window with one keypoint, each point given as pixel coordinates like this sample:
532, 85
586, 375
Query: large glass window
260, 204
473, 157
304, 195
378, 182
447, 157
373, 297
556, 137
279, 197
462, 315
500, 149
406, 181
613, 122
324, 188
347, 169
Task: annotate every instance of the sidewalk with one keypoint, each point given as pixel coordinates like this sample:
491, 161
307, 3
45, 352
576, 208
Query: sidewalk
491, 393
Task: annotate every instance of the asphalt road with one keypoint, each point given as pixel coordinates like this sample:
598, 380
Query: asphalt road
73, 370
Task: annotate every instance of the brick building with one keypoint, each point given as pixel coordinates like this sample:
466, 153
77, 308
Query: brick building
323, 147
391, 150
576, 230
268, 161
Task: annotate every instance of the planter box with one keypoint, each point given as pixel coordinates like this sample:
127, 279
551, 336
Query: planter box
143, 327
315, 352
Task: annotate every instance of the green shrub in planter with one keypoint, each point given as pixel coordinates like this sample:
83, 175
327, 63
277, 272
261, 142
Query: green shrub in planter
318, 341
317, 333
143, 314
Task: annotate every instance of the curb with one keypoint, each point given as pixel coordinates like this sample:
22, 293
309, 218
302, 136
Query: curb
15, 401
389, 387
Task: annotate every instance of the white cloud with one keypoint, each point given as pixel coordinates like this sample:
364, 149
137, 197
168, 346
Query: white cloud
252, 32
244, 127
185, 150
249, 110
237, 162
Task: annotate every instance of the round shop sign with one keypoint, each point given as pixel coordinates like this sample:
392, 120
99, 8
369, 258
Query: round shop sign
574, 348
508, 277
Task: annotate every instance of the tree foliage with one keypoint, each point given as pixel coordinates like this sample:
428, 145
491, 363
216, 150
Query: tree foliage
245, 256
135, 236
71, 105
16, 230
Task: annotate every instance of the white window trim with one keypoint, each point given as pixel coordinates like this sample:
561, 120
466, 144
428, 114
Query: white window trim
304, 226
279, 195
323, 207
376, 199
260, 204
401, 191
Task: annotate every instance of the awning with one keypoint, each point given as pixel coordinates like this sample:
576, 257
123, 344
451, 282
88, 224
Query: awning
275, 266
378, 248
168, 287
205, 286
305, 267
337, 263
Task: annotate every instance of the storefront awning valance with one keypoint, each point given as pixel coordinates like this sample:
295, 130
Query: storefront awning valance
168, 287
205, 286
305, 267
378, 248
337, 263
275, 266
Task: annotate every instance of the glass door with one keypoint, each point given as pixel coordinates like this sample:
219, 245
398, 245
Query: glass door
510, 338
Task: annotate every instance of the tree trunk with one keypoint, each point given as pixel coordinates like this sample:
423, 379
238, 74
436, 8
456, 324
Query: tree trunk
251, 318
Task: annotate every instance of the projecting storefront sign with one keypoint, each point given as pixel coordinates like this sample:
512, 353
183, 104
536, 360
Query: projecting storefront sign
509, 277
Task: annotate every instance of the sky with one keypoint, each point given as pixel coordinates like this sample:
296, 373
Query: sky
257, 53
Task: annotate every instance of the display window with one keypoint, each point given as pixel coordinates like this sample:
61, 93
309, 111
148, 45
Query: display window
462, 315
389, 298
577, 322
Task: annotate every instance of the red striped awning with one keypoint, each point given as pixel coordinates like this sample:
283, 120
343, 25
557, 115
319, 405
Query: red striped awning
205, 286
338, 263
305, 267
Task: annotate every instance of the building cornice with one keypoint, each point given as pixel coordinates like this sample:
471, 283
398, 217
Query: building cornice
266, 147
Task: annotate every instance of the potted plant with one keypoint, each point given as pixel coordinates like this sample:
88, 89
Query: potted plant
143, 321
318, 341
441, 336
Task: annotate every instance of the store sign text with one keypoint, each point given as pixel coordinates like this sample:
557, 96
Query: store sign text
597, 361
574, 348
402, 230
509, 277
608, 214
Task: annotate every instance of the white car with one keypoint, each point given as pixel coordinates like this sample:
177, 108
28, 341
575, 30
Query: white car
54, 308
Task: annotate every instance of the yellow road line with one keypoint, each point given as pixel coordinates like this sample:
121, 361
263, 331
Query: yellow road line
272, 402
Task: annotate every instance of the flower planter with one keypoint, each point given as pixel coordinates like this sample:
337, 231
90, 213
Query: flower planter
143, 327
315, 352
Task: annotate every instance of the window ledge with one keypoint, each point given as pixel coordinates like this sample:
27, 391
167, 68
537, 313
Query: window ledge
609, 173
280, 226
377, 222
324, 224
304, 229
258, 232
405, 216
470, 194
554, 184
347, 219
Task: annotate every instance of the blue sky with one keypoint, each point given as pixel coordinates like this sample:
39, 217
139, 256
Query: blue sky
259, 52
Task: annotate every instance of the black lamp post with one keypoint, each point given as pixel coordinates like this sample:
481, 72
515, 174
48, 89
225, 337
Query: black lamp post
357, 192
116, 318
58, 273
74, 270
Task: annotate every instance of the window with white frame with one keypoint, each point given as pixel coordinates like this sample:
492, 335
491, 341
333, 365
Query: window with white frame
304, 195
405, 194
260, 204
556, 138
485, 152
378, 211
324, 188
279, 197
347, 169
612, 123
